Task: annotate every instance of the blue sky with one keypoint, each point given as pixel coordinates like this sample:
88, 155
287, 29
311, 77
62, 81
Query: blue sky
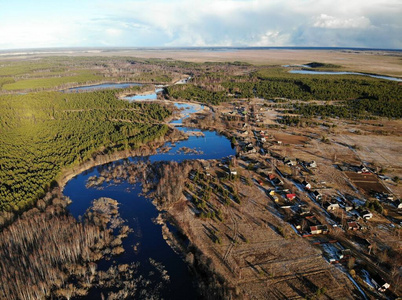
174, 23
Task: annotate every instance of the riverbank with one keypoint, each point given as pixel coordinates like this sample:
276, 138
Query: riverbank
98, 158
210, 284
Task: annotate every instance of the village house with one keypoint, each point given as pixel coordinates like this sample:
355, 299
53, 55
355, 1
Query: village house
206, 167
289, 161
319, 229
316, 195
304, 210
250, 148
306, 185
398, 204
274, 196
379, 283
352, 225
243, 132
279, 200
330, 206
363, 169
367, 215
276, 181
347, 205
312, 164
290, 197
232, 172
309, 225
345, 253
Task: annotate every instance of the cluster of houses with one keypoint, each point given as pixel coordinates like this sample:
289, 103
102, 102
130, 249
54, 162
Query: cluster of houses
307, 223
237, 114
261, 138
282, 198
340, 209
244, 135
335, 205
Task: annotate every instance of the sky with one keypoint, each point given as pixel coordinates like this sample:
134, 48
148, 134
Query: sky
200, 23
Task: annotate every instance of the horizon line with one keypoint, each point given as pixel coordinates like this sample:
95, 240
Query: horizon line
100, 48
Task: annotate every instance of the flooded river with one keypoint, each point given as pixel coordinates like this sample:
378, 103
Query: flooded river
139, 211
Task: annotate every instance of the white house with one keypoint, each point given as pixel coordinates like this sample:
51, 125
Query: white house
367, 215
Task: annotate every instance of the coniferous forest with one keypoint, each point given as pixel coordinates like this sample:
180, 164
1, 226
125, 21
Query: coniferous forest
42, 133
355, 96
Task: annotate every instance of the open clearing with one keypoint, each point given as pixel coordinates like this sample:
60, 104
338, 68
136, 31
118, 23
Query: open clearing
290, 139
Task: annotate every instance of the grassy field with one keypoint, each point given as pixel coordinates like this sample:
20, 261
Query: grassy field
6, 80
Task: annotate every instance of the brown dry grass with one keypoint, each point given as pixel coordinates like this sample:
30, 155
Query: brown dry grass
377, 149
260, 254
365, 61
290, 138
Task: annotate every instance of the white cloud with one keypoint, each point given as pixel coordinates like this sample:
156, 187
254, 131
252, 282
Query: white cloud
37, 34
271, 38
363, 23
326, 21
113, 32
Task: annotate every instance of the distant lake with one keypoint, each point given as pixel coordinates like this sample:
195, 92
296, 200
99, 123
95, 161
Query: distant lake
344, 73
104, 86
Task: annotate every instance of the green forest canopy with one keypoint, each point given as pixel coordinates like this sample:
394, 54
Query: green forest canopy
364, 96
42, 133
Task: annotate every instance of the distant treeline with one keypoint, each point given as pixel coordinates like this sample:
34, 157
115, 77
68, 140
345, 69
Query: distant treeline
51, 82
52, 73
42, 133
321, 65
358, 108
361, 97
